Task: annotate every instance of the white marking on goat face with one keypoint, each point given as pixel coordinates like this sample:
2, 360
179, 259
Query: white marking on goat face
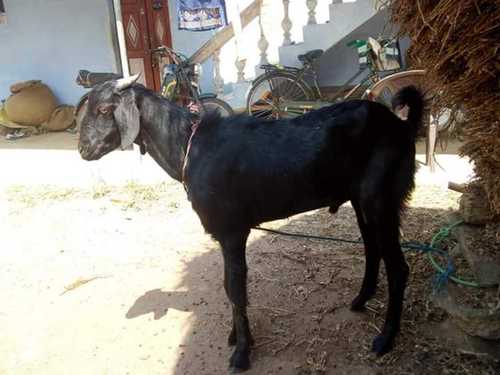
402, 112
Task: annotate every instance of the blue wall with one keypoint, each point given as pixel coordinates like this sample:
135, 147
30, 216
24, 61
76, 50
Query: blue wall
52, 39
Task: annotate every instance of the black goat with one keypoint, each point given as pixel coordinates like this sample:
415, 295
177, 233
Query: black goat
242, 171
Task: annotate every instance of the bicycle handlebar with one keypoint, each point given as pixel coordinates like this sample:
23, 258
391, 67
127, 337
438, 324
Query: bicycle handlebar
169, 51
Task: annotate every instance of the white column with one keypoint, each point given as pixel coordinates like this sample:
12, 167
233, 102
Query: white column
240, 66
218, 80
311, 5
239, 62
121, 38
263, 44
286, 24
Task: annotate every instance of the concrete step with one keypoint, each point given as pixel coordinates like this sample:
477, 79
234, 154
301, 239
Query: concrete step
345, 17
483, 322
484, 264
237, 95
288, 54
52, 159
344, 11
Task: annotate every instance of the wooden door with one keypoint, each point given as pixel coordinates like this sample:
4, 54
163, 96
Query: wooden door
146, 26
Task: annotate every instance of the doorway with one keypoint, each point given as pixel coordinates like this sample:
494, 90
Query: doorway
146, 25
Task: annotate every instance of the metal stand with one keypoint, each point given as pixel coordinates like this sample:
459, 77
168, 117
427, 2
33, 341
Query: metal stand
430, 146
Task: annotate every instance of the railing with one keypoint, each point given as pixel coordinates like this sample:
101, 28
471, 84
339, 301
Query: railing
212, 48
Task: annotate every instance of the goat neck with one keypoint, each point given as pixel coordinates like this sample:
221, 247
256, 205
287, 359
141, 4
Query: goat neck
165, 131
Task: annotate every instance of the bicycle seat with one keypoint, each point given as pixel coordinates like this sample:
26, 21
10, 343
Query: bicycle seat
90, 79
310, 56
273, 68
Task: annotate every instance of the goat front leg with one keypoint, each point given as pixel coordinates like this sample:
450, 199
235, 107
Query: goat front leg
235, 284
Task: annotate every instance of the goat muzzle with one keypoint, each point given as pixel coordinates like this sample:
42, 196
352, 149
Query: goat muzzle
85, 152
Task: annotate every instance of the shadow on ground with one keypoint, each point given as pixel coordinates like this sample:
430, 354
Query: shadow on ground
299, 292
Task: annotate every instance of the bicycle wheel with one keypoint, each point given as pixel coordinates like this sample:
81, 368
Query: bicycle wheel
384, 90
270, 92
357, 92
216, 105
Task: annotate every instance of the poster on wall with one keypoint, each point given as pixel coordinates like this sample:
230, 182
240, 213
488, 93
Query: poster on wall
201, 15
3, 17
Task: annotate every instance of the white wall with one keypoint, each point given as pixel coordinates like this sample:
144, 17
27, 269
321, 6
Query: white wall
51, 40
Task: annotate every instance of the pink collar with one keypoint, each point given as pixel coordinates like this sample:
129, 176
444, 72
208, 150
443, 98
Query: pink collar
194, 128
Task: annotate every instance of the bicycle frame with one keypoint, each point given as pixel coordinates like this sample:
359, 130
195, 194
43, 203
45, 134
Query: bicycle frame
185, 88
296, 107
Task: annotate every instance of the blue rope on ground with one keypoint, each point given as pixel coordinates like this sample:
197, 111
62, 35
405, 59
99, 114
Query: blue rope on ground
441, 278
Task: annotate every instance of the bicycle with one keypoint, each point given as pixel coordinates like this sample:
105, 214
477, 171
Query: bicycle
285, 91
179, 84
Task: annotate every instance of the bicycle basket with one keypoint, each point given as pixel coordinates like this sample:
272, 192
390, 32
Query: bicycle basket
362, 49
386, 57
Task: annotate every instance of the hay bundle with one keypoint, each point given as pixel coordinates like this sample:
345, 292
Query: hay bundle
458, 43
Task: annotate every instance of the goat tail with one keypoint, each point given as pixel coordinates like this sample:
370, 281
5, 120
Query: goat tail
413, 98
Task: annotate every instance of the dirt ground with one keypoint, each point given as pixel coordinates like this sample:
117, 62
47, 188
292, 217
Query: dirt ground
124, 281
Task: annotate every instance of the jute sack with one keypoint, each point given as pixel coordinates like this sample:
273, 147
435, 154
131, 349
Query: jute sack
31, 103
6, 122
61, 119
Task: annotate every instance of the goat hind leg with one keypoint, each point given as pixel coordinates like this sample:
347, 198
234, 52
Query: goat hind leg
397, 277
372, 264
231, 339
235, 278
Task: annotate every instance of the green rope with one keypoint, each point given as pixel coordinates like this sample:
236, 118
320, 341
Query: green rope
438, 238
443, 274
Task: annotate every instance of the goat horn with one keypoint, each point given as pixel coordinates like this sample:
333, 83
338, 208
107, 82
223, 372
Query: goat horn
126, 82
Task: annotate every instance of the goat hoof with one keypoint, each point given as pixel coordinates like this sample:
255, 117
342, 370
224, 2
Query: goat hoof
239, 362
231, 340
235, 370
358, 304
382, 344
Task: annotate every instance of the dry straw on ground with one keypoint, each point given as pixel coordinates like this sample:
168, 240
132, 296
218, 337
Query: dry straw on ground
458, 43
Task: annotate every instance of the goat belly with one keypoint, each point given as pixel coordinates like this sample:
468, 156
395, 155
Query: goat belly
284, 204
244, 202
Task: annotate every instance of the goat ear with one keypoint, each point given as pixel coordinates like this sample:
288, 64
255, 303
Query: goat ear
127, 118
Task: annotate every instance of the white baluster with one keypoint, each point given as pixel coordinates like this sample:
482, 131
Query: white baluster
240, 62
240, 67
311, 5
263, 44
218, 80
286, 24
